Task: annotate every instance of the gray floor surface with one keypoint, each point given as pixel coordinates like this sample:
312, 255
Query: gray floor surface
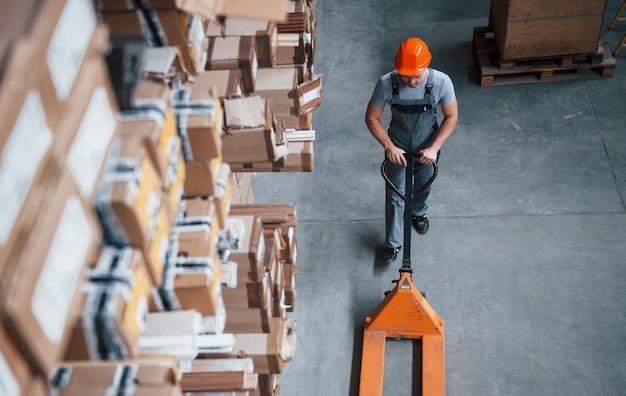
526, 257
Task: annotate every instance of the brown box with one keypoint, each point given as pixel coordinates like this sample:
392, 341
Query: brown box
252, 144
14, 18
218, 83
232, 53
41, 297
241, 183
197, 287
270, 352
300, 157
128, 200
250, 252
67, 33
198, 211
191, 55
198, 291
275, 10
264, 32
118, 293
15, 373
278, 85
157, 375
537, 29
304, 122
170, 30
158, 129
94, 118
223, 195
199, 123
201, 177
207, 9
246, 320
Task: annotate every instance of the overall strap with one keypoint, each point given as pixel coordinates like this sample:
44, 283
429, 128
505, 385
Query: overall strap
429, 90
394, 85
429, 82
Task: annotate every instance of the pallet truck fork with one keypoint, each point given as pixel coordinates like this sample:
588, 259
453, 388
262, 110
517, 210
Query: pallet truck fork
404, 313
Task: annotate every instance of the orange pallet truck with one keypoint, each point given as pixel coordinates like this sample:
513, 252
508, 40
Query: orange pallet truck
404, 313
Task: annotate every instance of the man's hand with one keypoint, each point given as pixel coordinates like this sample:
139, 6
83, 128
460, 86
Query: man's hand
396, 155
428, 156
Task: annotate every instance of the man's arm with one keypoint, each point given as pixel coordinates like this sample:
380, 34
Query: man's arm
450, 117
372, 120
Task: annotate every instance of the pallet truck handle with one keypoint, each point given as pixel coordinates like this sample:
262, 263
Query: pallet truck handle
393, 186
408, 210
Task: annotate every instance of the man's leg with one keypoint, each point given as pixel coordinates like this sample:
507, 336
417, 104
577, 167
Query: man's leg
394, 206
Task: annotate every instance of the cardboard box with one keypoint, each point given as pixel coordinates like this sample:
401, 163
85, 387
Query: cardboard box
192, 55
526, 30
29, 168
41, 296
150, 375
201, 177
270, 352
14, 18
129, 197
198, 211
117, 301
157, 250
300, 157
160, 28
292, 49
304, 122
220, 375
15, 373
174, 193
264, 32
218, 83
158, 128
223, 195
199, 123
279, 85
257, 144
232, 53
198, 291
274, 10
94, 119
207, 9
249, 252
241, 183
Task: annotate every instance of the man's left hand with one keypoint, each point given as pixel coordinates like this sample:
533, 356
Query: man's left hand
428, 156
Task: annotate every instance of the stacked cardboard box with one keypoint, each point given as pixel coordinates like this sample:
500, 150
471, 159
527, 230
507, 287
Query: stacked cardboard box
536, 29
112, 211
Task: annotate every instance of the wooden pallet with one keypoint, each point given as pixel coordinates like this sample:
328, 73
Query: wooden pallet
494, 72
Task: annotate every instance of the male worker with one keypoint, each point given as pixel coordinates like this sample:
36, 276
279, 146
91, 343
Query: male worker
413, 92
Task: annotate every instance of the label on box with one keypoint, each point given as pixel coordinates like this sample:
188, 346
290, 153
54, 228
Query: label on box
310, 96
69, 44
62, 268
8, 383
28, 143
88, 151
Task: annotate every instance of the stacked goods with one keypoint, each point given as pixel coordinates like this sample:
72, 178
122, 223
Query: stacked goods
537, 29
539, 41
124, 125
275, 59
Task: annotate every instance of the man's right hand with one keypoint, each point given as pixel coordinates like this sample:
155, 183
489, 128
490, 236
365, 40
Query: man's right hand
395, 155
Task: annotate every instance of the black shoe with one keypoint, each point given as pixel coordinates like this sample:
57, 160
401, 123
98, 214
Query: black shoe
420, 223
391, 254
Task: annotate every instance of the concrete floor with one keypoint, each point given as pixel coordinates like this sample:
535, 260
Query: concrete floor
526, 256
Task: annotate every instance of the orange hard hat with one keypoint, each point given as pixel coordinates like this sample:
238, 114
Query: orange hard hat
412, 57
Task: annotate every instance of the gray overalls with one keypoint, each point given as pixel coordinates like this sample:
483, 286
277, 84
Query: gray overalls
413, 128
